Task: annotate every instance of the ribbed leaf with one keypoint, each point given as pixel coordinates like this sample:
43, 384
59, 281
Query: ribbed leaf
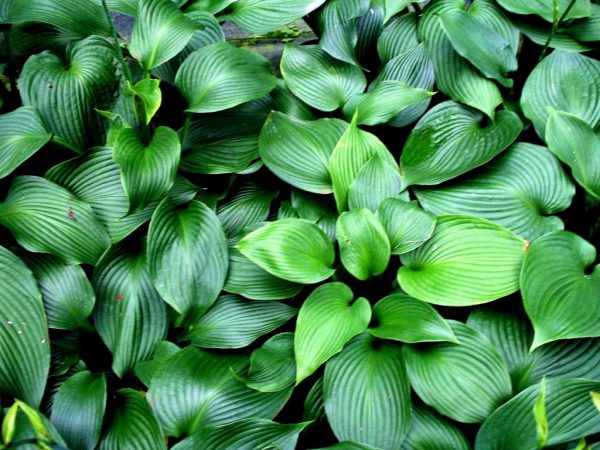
65, 92
402, 318
163, 351
519, 190
398, 37
434, 151
211, 6
289, 104
465, 381
559, 294
248, 205
24, 347
292, 249
132, 425
376, 181
149, 95
406, 224
234, 322
328, 319
220, 76
318, 79
393, 7
67, 293
130, 316
45, 218
570, 410
78, 410
298, 151
22, 134
160, 32
364, 245
580, 8
314, 407
567, 82
429, 431
272, 366
560, 41
184, 402
588, 29
147, 171
367, 395
187, 256
262, 16
247, 434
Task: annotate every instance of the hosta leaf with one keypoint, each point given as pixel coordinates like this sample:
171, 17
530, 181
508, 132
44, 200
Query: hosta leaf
327, 320
160, 32
262, 16
402, 318
246, 434
367, 395
67, 293
147, 171
24, 347
559, 292
248, 205
272, 366
368, 28
393, 7
588, 29
314, 407
234, 322
65, 92
519, 190
580, 8
45, 218
184, 402
298, 151
560, 41
22, 133
211, 6
467, 261
130, 316
465, 381
567, 82
78, 410
132, 425
364, 245
289, 104
149, 94
318, 79
187, 256
376, 181
576, 144
398, 37
434, 151
513, 424
383, 102
406, 224
163, 351
349, 445
220, 76
292, 249
430, 431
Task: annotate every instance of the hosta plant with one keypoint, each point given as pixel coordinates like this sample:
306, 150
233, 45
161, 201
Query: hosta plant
384, 240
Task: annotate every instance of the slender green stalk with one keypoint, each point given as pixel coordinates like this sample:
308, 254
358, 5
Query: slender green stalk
126, 72
186, 126
555, 25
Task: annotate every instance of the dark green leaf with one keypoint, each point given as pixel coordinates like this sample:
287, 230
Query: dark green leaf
272, 366
430, 431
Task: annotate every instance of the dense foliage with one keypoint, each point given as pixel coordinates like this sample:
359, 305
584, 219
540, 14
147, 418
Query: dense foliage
387, 242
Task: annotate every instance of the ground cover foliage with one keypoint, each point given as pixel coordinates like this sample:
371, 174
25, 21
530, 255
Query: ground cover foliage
387, 242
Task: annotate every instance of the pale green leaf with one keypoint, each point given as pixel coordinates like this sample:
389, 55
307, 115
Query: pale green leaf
149, 94
545, 9
431, 431
272, 365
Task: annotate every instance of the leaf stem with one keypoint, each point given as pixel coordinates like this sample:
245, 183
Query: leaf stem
186, 127
555, 25
115, 36
65, 144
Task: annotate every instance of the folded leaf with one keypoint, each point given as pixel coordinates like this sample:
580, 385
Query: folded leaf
430, 430
272, 365
149, 94
378, 180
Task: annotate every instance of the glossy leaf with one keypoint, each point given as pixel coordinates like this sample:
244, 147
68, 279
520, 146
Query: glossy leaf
430, 431
272, 365
149, 94
248, 205
377, 180
580, 8
398, 37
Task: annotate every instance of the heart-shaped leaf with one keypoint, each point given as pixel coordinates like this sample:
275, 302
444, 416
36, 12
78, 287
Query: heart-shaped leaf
327, 320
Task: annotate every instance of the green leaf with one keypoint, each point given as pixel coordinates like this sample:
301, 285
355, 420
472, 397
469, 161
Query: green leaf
318, 79
559, 292
149, 94
272, 365
248, 205
163, 351
544, 9
314, 407
291, 249
78, 410
187, 256
367, 395
220, 76
45, 218
184, 402
402, 318
557, 82
262, 16
298, 151
393, 7
587, 30
465, 381
519, 190
130, 316
22, 134
67, 293
541, 419
513, 424
434, 151
234, 322
132, 425
147, 171
430, 431
560, 41
66, 91
211, 6
406, 224
8, 423
398, 37
364, 245
383, 102
160, 32
245, 434
24, 347
289, 104
327, 320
